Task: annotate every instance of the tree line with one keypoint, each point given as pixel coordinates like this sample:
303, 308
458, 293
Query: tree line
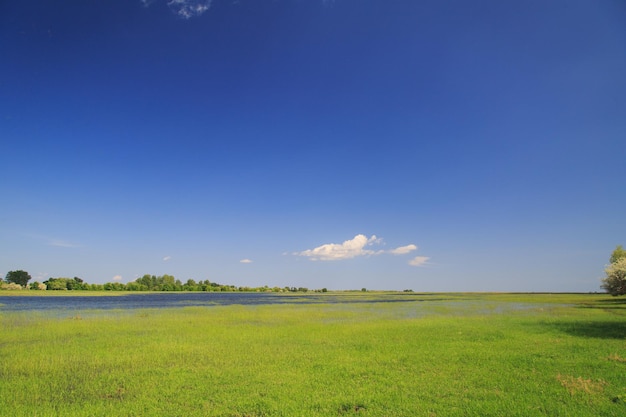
19, 280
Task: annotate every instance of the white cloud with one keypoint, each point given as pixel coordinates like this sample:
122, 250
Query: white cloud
185, 8
419, 260
189, 8
358, 246
117, 278
246, 261
167, 258
403, 250
346, 250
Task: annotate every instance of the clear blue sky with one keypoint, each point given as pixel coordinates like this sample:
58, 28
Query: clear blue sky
388, 144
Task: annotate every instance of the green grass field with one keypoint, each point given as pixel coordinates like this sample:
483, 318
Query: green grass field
458, 355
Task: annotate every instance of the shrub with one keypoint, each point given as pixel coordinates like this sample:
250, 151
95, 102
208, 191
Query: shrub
10, 286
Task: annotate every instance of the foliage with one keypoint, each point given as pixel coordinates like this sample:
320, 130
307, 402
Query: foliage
615, 281
10, 286
618, 253
66, 284
18, 277
38, 286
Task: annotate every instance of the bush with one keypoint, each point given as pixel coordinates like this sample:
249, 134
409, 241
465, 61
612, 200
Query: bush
38, 286
10, 286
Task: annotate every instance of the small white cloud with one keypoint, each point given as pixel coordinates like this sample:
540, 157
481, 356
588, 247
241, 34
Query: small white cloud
167, 258
246, 261
117, 278
346, 250
403, 250
419, 260
184, 8
358, 246
189, 8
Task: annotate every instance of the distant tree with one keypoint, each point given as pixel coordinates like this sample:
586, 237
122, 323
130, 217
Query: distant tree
615, 281
145, 281
74, 283
167, 279
18, 277
56, 284
133, 286
617, 254
191, 285
114, 286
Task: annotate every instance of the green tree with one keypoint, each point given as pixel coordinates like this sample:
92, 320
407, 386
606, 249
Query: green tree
145, 282
56, 284
74, 284
167, 280
618, 253
18, 277
135, 286
191, 285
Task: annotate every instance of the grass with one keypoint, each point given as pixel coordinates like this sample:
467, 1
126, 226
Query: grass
458, 355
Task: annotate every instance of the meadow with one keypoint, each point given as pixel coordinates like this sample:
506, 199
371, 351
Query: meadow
450, 355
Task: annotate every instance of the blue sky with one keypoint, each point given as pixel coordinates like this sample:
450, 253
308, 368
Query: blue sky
431, 145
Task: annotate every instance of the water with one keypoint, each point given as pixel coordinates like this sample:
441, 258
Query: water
410, 305
172, 299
